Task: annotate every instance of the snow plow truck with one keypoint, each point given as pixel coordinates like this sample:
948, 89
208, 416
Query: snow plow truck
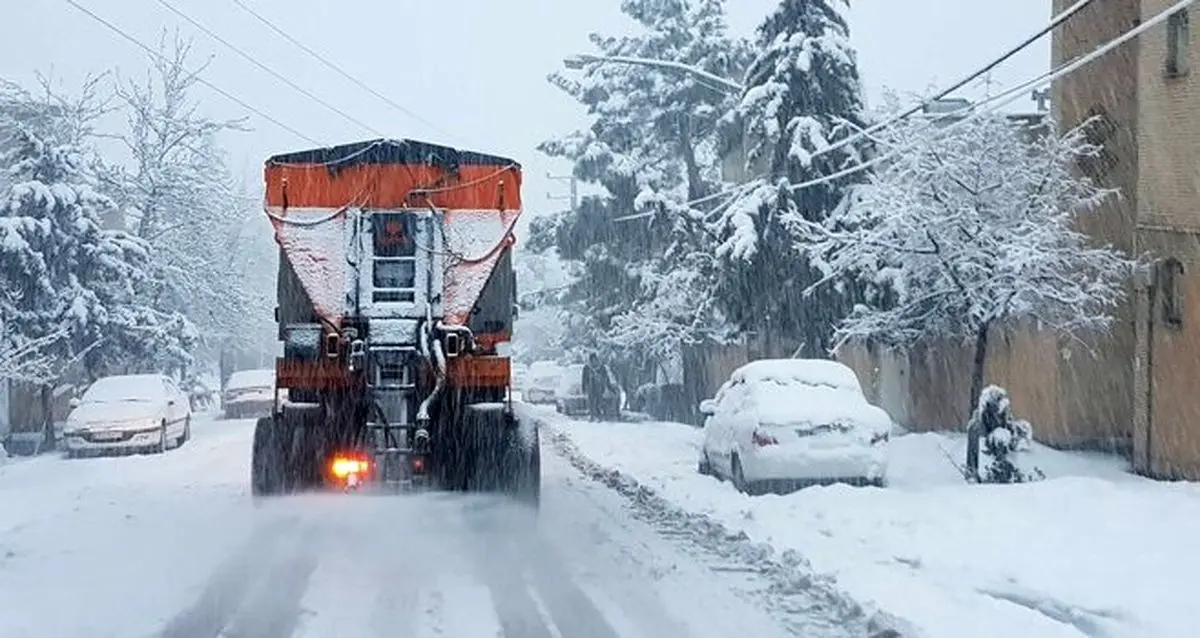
396, 299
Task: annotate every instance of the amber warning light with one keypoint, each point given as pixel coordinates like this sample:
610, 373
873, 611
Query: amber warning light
349, 470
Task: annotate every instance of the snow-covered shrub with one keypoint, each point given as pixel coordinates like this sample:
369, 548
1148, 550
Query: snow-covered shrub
1003, 438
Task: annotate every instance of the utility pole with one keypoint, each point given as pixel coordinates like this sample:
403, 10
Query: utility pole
573, 198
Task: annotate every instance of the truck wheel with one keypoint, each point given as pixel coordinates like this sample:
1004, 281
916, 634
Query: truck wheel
522, 465
268, 461
306, 441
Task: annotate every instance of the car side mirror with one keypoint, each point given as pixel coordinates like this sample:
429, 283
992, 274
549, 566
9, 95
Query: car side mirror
708, 406
74, 402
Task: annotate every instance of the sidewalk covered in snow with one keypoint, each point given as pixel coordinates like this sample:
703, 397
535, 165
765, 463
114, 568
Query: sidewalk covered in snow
1090, 551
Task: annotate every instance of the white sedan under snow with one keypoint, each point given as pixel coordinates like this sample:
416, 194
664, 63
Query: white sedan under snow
129, 413
782, 423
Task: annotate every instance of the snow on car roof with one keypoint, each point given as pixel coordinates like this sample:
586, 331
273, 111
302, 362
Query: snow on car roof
123, 387
807, 371
252, 378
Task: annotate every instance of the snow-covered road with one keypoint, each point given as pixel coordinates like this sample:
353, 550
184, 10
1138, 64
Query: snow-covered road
172, 545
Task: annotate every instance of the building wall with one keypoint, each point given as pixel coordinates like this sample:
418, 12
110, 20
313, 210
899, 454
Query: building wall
927, 387
1166, 433
1096, 377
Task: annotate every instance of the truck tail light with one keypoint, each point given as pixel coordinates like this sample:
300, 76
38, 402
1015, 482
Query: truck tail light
344, 467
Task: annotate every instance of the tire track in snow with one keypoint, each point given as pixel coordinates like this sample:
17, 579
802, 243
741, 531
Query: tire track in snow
810, 603
228, 586
273, 608
503, 571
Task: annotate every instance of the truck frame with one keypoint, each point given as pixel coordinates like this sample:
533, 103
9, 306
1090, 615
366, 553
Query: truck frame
396, 299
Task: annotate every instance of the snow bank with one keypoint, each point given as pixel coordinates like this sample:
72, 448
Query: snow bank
1091, 551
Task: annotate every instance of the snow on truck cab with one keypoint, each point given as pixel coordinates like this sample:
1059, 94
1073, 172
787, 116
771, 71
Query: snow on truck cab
396, 296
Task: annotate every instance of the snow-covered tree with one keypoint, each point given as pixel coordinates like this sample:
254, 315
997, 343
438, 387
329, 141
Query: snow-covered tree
180, 196
68, 285
1005, 438
802, 95
652, 147
973, 227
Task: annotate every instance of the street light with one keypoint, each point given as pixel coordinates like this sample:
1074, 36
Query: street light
712, 80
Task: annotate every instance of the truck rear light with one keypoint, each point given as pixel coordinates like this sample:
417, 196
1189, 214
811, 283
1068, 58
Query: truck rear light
343, 467
762, 439
418, 465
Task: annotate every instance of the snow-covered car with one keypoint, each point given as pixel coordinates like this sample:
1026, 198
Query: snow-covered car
542, 382
138, 412
249, 393
784, 423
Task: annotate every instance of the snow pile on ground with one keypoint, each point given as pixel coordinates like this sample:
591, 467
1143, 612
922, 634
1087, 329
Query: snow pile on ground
1091, 551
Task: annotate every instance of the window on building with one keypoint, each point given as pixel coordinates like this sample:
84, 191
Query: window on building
1170, 286
1178, 43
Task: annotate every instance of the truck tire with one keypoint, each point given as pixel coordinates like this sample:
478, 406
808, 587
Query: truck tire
305, 439
523, 465
268, 461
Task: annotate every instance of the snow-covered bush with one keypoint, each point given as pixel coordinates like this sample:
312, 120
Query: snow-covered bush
1003, 437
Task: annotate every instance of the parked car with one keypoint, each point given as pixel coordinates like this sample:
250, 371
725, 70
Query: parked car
138, 412
785, 423
249, 393
542, 382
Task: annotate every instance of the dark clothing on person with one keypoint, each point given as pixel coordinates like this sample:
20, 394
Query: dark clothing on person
596, 384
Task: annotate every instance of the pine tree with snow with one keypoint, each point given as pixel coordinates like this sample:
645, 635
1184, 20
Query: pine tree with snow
802, 94
67, 282
653, 147
972, 226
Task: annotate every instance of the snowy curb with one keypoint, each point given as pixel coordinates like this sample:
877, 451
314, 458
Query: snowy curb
811, 602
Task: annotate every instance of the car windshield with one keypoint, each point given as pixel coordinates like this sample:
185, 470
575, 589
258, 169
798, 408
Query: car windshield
137, 388
252, 379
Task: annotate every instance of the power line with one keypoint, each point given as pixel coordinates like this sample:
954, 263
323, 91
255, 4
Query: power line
342, 72
272, 72
1014, 93
155, 54
1002, 99
1055, 22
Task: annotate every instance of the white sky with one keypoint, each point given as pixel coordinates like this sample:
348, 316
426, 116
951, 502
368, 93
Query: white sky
474, 67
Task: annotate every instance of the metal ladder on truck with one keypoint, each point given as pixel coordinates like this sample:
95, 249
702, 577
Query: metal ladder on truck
396, 286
